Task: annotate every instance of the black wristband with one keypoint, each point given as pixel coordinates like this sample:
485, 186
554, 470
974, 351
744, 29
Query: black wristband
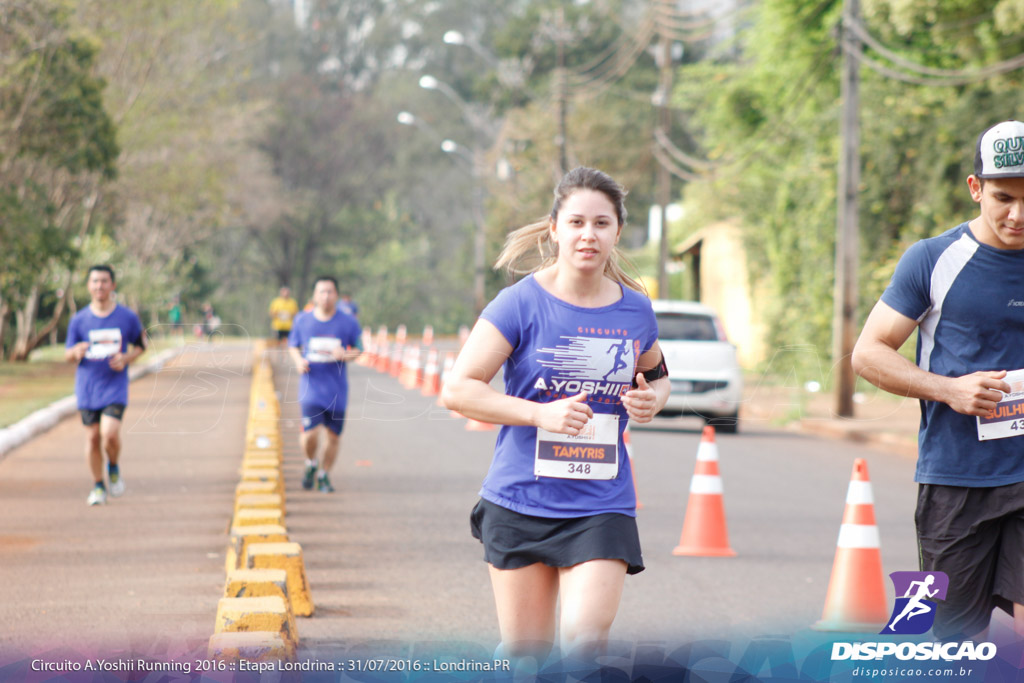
657, 372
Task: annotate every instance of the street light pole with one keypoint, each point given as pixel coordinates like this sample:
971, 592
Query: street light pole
474, 160
479, 236
664, 192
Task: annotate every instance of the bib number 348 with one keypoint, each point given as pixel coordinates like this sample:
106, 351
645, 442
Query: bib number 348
593, 454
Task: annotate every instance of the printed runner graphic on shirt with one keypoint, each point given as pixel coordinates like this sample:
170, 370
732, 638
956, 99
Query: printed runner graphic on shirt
600, 366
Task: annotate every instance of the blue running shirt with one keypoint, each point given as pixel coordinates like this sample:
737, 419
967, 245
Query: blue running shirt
326, 384
558, 351
96, 384
968, 299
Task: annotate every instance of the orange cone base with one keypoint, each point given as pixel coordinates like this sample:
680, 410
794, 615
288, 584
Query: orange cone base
704, 531
856, 593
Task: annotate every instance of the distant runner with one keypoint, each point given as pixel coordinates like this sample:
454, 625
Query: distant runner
282, 313
103, 339
320, 344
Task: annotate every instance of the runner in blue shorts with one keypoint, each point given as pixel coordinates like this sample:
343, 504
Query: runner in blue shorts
103, 339
963, 291
320, 344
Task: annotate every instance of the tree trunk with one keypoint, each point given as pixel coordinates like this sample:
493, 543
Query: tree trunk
27, 340
5, 311
25, 321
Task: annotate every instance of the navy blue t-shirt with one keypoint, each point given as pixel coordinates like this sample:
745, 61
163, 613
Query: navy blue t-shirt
558, 351
968, 299
97, 385
326, 384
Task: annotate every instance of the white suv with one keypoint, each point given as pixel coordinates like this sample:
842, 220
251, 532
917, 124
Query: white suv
702, 367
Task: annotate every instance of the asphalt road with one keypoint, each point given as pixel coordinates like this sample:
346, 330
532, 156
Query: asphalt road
389, 557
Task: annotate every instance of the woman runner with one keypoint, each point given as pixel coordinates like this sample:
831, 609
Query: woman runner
578, 342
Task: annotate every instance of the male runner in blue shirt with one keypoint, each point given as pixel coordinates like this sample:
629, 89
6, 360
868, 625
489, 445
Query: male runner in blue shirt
964, 292
320, 344
103, 339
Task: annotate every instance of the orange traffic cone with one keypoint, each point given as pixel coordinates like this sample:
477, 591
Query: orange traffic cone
428, 335
856, 591
704, 532
632, 464
368, 358
412, 372
431, 375
397, 355
381, 350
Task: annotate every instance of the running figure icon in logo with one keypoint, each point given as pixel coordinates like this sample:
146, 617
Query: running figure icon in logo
914, 609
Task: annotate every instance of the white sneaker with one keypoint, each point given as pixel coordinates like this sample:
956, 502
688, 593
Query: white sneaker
116, 485
97, 496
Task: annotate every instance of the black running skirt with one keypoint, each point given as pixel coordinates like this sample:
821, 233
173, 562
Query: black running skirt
513, 540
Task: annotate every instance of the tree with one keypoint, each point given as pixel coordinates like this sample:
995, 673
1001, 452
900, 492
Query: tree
57, 148
769, 120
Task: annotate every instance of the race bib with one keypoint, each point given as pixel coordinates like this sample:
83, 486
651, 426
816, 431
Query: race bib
593, 454
1007, 419
321, 349
104, 343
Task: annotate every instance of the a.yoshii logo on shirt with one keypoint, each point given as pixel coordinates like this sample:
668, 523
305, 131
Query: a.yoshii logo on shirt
1015, 303
589, 364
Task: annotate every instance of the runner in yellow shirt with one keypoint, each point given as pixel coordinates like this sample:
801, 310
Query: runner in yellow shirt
282, 312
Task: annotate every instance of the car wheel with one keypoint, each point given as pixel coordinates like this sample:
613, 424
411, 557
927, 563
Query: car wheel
729, 424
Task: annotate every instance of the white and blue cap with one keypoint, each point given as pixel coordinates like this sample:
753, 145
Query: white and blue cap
1000, 151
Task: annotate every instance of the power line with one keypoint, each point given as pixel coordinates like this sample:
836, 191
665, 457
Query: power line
669, 165
665, 142
584, 82
979, 75
953, 76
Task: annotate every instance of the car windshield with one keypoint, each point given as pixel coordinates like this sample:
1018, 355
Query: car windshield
686, 327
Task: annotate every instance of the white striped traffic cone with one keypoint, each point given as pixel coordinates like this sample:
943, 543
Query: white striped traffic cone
704, 530
856, 591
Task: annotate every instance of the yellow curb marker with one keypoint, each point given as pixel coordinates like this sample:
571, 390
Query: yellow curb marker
287, 556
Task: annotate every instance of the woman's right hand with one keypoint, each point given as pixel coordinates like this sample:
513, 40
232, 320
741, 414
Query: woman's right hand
565, 416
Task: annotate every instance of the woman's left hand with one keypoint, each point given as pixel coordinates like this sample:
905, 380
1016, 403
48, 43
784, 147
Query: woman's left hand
640, 402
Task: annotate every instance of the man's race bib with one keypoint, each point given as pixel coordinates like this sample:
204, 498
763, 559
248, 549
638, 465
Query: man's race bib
104, 343
321, 349
1007, 419
593, 454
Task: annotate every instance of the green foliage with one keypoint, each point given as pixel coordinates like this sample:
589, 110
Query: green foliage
771, 122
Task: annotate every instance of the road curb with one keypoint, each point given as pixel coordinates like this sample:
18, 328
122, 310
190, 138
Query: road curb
836, 429
45, 419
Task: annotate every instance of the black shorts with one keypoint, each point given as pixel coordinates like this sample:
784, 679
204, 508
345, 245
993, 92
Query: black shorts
976, 537
282, 334
91, 417
513, 540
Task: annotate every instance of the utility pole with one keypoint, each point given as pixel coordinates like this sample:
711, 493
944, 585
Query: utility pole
844, 318
563, 95
664, 190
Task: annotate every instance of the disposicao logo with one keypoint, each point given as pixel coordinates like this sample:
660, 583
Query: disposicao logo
914, 613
